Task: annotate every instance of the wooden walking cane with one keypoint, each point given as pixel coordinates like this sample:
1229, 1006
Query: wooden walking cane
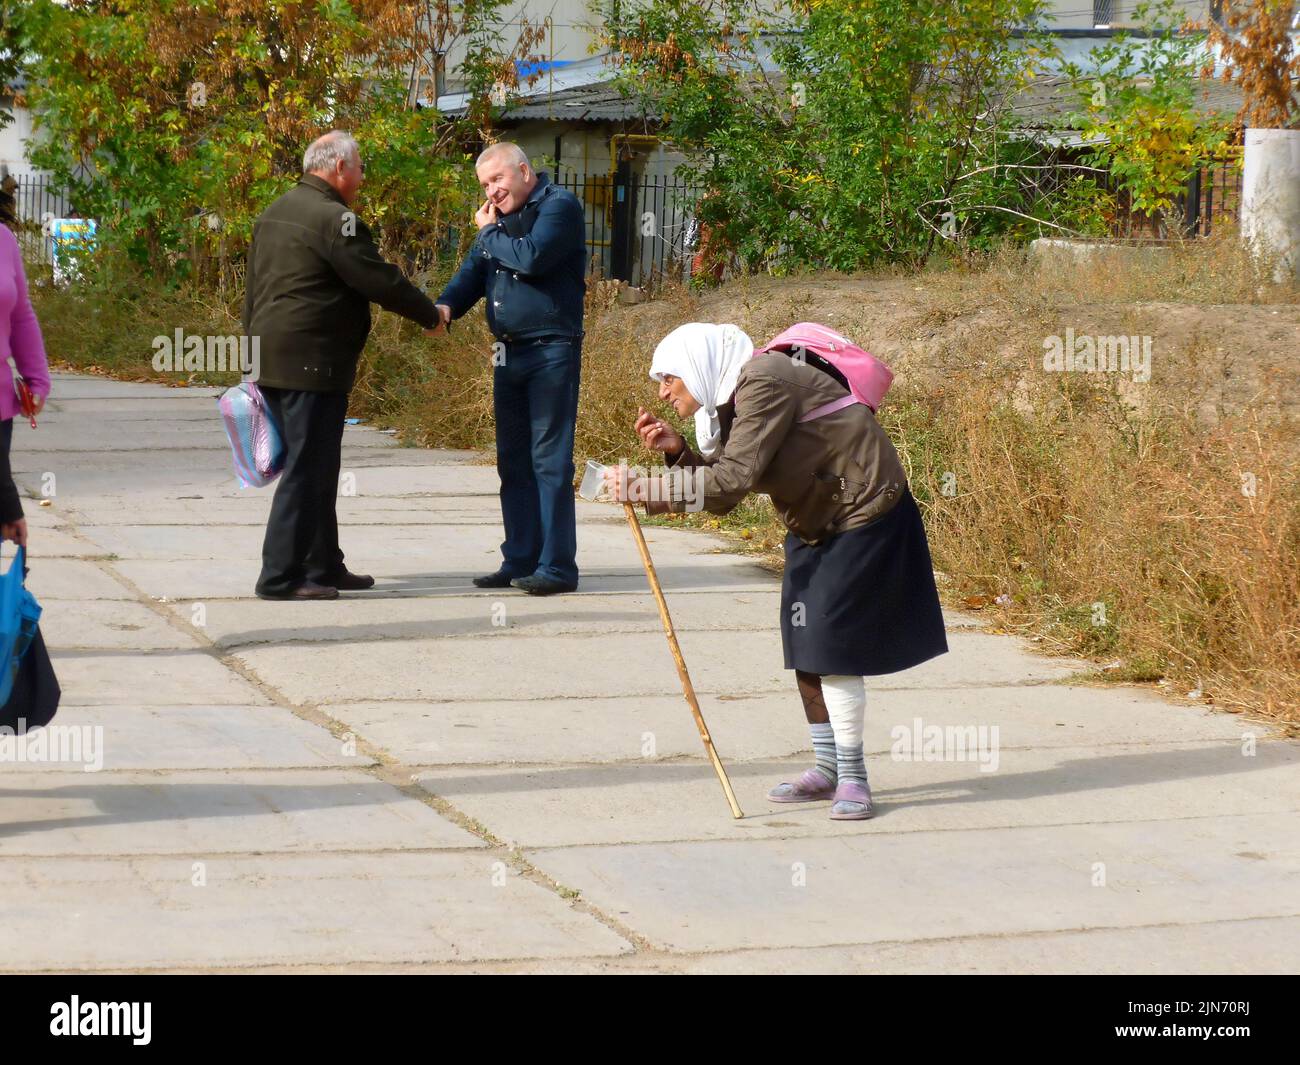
687, 689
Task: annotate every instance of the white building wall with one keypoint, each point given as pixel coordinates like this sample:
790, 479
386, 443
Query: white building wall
567, 38
13, 140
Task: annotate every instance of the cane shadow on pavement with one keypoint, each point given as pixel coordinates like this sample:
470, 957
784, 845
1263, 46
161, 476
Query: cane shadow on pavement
1078, 775
135, 803
1071, 775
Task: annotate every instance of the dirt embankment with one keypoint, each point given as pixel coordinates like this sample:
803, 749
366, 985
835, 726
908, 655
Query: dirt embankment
1217, 357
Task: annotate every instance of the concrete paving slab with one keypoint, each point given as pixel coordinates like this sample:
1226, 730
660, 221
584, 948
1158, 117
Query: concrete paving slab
494, 668
1218, 947
41, 518
253, 509
364, 448
88, 914
69, 386
235, 624
867, 887
85, 476
56, 542
419, 543
769, 725
150, 678
572, 731
69, 418
226, 504
1245, 947
438, 479
360, 619
226, 812
196, 737
111, 625
504, 668
71, 579
172, 414
145, 437
76, 394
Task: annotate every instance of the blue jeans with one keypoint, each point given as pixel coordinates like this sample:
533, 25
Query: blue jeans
535, 401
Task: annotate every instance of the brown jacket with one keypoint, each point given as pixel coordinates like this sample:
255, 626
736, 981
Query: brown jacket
825, 476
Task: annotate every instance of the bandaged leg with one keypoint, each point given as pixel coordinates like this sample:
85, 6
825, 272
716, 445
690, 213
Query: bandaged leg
846, 704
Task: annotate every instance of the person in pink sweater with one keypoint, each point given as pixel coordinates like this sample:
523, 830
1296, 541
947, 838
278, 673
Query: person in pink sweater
20, 338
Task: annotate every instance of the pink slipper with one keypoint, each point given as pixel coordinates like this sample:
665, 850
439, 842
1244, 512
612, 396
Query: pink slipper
810, 787
852, 802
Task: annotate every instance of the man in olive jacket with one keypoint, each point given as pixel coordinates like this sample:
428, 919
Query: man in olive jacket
313, 271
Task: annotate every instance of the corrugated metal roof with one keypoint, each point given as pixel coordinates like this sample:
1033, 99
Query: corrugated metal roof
1047, 101
599, 103
595, 103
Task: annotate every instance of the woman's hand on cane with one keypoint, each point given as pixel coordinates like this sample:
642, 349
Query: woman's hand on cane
616, 483
657, 434
621, 487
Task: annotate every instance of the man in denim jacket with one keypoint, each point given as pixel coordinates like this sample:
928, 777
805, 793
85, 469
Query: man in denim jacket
529, 262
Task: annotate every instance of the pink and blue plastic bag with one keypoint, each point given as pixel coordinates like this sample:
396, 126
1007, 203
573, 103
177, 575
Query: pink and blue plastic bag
255, 439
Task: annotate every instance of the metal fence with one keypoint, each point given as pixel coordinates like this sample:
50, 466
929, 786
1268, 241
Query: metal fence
1213, 198
640, 229
37, 199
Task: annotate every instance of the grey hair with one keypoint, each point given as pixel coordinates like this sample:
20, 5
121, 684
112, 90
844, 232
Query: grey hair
327, 150
516, 153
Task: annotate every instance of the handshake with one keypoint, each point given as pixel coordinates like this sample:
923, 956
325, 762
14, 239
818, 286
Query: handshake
484, 216
487, 214
444, 321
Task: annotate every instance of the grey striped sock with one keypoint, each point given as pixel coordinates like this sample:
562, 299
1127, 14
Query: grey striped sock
823, 741
850, 764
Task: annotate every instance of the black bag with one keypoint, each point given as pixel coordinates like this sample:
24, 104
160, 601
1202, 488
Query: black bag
36, 692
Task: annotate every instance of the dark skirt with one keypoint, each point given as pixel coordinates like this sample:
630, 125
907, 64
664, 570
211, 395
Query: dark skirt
866, 599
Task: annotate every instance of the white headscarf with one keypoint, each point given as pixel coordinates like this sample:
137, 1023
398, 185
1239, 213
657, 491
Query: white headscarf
708, 359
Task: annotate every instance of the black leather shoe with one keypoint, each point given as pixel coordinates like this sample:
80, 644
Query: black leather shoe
536, 585
306, 590
499, 579
352, 582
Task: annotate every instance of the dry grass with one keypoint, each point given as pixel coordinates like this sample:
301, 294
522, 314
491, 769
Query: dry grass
1127, 538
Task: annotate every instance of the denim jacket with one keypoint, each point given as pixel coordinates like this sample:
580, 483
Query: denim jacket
530, 266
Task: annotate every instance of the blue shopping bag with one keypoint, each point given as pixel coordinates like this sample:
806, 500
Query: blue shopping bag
19, 613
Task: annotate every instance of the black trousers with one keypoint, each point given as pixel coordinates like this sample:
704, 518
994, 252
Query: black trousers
302, 534
11, 507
